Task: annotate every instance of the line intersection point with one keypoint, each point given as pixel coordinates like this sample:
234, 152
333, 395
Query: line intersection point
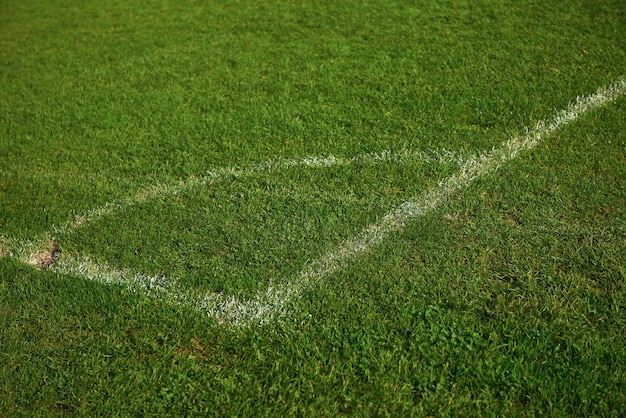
273, 301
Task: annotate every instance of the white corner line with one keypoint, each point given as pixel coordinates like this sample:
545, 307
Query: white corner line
272, 302
274, 165
24, 249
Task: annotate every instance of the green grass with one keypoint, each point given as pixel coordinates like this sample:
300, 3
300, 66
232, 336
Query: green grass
237, 235
508, 299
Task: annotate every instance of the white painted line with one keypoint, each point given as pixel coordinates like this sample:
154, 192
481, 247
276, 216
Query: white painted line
274, 165
23, 250
273, 301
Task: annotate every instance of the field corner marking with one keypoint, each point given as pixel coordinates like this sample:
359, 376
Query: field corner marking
267, 304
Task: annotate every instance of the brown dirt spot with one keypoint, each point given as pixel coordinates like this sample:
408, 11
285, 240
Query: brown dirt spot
47, 257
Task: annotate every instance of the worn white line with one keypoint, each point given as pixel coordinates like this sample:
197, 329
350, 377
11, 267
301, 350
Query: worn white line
274, 165
273, 301
23, 249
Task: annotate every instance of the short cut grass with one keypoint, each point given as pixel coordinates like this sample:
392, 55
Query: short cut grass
507, 299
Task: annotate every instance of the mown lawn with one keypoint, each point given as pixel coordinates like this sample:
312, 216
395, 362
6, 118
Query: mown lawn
506, 299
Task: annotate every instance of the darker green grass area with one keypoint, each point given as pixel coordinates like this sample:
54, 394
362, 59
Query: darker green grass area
507, 300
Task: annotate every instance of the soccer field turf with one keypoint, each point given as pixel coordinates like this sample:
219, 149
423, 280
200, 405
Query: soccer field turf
312, 208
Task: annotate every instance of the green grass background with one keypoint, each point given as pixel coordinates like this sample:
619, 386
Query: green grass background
508, 300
